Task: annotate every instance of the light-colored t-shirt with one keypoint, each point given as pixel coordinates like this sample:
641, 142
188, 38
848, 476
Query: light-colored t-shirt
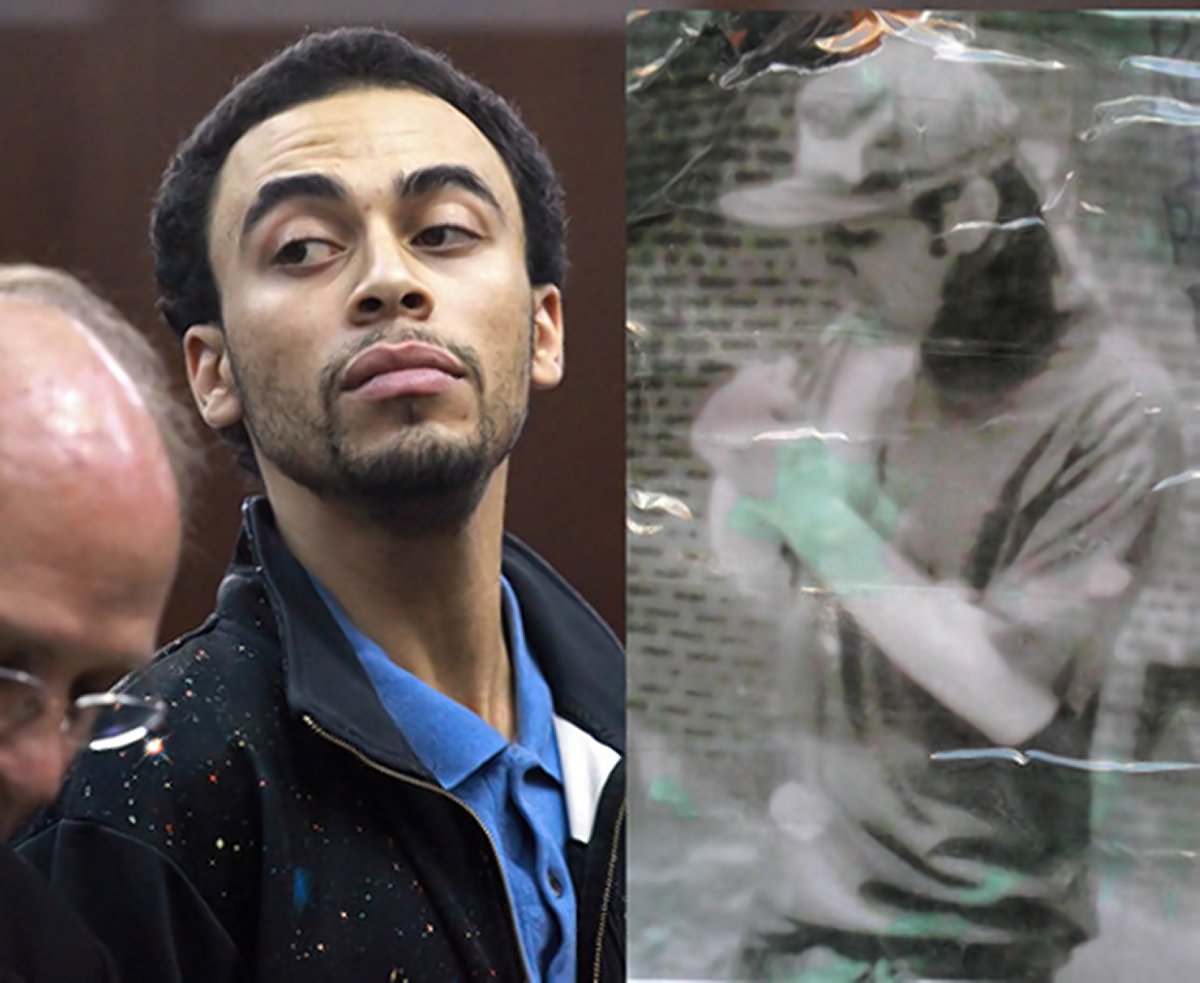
1041, 511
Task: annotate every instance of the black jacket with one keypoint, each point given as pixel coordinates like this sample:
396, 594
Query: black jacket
40, 940
288, 832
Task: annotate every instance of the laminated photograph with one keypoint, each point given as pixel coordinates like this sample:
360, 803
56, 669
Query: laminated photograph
914, 562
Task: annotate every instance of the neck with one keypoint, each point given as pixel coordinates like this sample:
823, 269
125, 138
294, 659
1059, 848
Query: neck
427, 594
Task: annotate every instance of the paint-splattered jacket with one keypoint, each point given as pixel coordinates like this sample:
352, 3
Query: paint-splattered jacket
39, 938
286, 831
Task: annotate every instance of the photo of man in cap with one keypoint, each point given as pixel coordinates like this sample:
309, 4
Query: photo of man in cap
955, 503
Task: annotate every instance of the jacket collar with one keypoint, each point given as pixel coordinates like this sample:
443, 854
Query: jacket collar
578, 654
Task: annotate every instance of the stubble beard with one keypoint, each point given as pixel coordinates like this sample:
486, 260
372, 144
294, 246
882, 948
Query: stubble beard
424, 481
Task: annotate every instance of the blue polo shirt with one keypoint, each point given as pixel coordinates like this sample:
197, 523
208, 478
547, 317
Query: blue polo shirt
515, 788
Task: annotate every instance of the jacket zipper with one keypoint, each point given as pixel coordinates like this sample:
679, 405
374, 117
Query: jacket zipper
608, 889
371, 763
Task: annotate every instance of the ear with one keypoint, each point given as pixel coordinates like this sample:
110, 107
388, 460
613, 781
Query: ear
971, 218
546, 371
210, 376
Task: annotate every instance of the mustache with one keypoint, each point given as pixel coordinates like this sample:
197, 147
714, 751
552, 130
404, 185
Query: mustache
332, 373
844, 238
838, 259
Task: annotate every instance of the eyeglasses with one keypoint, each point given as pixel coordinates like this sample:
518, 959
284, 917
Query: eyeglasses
98, 721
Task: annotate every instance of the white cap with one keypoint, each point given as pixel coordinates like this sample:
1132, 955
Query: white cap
874, 134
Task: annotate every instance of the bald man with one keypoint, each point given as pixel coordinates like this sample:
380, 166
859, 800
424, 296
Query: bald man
90, 540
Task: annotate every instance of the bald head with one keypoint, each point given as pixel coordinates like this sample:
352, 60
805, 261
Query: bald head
79, 450
90, 536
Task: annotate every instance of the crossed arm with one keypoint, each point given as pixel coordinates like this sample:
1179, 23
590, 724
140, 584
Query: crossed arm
932, 632
991, 663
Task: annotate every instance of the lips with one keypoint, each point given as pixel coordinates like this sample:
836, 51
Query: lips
408, 356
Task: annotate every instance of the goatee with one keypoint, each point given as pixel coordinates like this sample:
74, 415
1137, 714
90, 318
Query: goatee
428, 485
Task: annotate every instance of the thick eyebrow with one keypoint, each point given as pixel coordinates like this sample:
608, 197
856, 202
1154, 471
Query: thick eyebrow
274, 193
427, 180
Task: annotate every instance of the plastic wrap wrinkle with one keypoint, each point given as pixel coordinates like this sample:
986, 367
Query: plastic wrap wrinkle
1158, 15
952, 50
1117, 114
648, 501
641, 528
660, 202
1031, 755
1174, 67
643, 73
1173, 481
793, 434
640, 75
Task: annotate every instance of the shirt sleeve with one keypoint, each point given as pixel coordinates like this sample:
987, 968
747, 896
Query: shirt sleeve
1073, 550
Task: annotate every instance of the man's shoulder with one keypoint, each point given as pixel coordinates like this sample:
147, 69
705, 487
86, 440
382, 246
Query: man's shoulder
1106, 391
1104, 364
219, 654
224, 706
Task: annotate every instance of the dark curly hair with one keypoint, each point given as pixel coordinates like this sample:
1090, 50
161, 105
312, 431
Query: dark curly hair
317, 66
998, 323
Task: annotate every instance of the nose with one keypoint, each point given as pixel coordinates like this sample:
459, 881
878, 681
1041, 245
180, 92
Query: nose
32, 766
391, 285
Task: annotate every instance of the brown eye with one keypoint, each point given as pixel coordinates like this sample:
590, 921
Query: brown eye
444, 237
305, 252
